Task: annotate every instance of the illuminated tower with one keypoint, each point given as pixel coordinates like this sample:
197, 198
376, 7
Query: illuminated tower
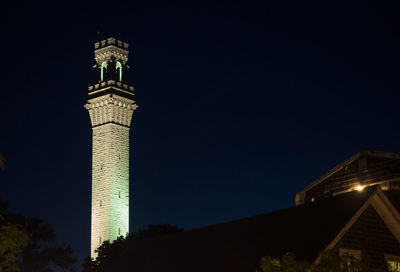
110, 107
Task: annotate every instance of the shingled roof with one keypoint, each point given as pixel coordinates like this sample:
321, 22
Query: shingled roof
303, 230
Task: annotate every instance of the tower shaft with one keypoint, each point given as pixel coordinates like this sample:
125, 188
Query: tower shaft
110, 183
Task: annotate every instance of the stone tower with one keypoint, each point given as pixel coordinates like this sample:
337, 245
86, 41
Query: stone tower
110, 105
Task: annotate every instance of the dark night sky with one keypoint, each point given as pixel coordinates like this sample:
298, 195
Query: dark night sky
241, 105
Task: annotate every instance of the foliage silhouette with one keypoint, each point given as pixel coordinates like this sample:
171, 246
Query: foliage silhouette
329, 262
12, 241
107, 252
28, 244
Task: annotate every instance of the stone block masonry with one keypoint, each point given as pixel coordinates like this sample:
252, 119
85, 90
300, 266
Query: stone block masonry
110, 183
111, 116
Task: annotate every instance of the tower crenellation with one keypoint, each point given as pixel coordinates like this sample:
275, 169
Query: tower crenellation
111, 57
111, 41
110, 106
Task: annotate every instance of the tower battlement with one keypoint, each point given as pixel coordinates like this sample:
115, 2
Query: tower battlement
111, 41
110, 83
111, 48
111, 87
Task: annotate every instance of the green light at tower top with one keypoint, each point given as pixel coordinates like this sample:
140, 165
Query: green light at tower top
103, 69
118, 69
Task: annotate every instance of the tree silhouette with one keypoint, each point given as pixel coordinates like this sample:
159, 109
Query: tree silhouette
28, 244
12, 241
107, 252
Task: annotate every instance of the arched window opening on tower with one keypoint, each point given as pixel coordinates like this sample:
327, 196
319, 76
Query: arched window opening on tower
100, 240
119, 231
103, 69
118, 70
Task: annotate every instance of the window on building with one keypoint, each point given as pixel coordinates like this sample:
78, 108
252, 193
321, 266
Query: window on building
118, 70
101, 203
393, 263
119, 231
119, 194
353, 257
103, 69
100, 240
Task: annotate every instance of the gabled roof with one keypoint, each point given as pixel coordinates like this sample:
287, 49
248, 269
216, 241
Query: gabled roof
303, 230
382, 154
385, 204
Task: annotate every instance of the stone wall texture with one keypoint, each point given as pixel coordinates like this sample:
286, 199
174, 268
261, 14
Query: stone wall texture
111, 117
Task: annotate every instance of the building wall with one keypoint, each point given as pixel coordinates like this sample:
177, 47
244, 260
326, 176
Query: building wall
110, 115
371, 236
110, 183
366, 170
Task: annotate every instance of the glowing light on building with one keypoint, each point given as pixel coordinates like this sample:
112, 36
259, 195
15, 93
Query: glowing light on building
360, 188
103, 69
118, 68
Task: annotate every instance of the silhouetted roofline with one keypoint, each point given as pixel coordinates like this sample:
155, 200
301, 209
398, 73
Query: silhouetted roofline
305, 230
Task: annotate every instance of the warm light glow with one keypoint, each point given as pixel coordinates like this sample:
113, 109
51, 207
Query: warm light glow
393, 265
360, 188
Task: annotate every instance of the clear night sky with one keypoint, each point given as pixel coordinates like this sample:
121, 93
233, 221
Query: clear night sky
240, 105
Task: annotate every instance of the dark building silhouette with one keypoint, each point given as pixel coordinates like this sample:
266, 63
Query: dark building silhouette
362, 223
